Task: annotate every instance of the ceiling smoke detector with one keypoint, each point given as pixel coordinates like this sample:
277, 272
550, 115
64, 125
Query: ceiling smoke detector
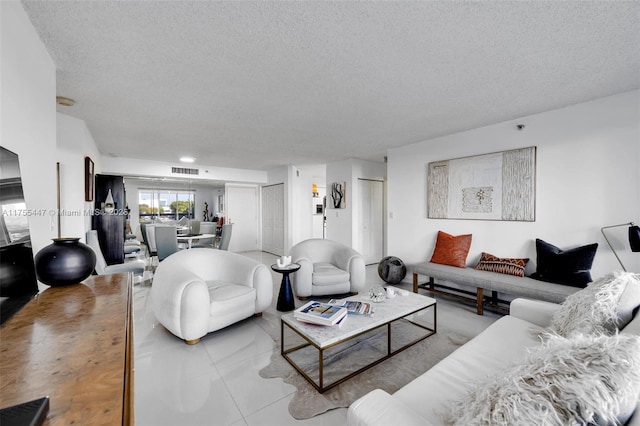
61, 100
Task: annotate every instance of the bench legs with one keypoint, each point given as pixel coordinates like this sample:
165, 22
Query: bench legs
480, 301
430, 286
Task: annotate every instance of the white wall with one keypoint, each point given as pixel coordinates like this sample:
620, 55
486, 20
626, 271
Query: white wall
343, 224
215, 209
308, 176
587, 177
287, 176
340, 221
74, 142
28, 116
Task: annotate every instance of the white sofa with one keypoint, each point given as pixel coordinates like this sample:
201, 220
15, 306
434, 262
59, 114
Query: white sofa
201, 290
428, 399
326, 268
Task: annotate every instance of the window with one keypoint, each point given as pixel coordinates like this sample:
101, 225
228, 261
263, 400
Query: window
167, 204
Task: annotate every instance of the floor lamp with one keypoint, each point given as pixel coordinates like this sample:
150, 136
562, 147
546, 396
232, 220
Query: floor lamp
634, 239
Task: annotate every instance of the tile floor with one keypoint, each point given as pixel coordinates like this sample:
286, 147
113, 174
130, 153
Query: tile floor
216, 382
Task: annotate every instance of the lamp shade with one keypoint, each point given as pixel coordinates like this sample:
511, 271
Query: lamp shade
634, 238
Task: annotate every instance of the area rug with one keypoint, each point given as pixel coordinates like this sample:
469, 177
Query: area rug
389, 375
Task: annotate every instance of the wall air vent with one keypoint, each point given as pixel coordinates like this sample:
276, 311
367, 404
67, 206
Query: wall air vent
185, 171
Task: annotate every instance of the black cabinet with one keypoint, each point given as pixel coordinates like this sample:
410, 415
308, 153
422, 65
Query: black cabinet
110, 229
103, 184
110, 226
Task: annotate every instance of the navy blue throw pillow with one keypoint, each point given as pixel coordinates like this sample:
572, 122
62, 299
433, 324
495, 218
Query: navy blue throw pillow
569, 267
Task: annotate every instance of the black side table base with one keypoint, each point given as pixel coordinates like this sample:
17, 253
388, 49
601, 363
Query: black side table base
285, 296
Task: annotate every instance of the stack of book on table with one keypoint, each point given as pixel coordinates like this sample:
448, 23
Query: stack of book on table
320, 313
353, 306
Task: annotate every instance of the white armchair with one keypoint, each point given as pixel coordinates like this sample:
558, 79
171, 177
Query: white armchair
326, 267
201, 290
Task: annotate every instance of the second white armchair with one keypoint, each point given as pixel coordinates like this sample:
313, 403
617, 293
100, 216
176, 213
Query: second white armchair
326, 268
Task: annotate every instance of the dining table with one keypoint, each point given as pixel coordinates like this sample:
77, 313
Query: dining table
190, 237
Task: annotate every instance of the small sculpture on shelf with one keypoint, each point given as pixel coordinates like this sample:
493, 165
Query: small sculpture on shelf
205, 213
109, 204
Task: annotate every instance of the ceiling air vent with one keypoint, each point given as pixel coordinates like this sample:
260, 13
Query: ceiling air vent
185, 171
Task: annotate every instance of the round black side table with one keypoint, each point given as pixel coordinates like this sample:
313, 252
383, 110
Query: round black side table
285, 297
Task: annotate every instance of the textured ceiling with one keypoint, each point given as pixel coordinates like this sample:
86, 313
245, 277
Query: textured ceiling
262, 84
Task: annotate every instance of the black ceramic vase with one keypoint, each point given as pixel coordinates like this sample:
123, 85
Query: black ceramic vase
66, 261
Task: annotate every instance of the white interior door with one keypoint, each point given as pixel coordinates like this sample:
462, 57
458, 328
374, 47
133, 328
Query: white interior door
371, 238
273, 219
242, 211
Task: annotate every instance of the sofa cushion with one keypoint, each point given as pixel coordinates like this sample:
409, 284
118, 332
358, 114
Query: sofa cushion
629, 301
583, 380
633, 328
451, 250
570, 267
325, 273
449, 380
491, 263
225, 297
599, 308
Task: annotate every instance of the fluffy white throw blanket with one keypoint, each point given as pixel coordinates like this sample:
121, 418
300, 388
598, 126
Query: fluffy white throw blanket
577, 381
594, 309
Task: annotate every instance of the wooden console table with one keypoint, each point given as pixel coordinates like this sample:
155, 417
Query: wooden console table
74, 344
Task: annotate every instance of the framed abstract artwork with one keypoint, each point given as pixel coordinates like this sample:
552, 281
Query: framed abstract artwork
88, 179
496, 186
339, 195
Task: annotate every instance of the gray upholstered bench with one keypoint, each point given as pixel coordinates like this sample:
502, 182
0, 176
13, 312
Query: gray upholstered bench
484, 280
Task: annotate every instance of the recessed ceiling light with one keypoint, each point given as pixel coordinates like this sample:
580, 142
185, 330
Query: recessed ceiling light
61, 100
187, 159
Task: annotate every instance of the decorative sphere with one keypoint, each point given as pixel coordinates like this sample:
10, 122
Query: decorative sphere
67, 261
392, 270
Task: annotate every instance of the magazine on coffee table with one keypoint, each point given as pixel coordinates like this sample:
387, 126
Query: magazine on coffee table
320, 313
338, 324
353, 306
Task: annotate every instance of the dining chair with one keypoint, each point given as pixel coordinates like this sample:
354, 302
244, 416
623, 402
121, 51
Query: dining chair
131, 245
151, 239
206, 228
166, 241
225, 236
143, 233
101, 268
194, 227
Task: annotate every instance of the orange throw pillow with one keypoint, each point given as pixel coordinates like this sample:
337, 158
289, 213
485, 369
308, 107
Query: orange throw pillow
451, 250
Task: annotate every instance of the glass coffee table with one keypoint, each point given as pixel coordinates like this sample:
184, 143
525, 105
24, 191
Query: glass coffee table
413, 311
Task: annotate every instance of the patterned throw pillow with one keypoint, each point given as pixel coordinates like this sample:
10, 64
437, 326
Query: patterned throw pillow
451, 249
491, 263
